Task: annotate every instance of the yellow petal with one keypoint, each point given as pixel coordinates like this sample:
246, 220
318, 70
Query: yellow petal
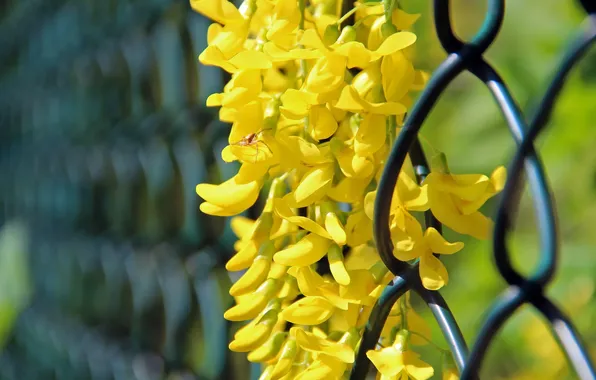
371, 134
250, 60
284, 211
420, 80
242, 226
227, 155
369, 204
214, 100
252, 338
358, 55
413, 197
230, 199
324, 367
359, 288
443, 208
221, 11
297, 103
269, 349
358, 229
309, 281
450, 373
398, 76
349, 100
403, 20
349, 190
308, 153
248, 309
354, 166
277, 54
498, 178
395, 42
312, 187
416, 368
277, 271
243, 258
308, 311
310, 38
307, 251
361, 257
432, 272
257, 152
438, 244
253, 304
336, 265
335, 228
467, 187
255, 275
326, 76
322, 124
312, 343
286, 360
388, 361
387, 108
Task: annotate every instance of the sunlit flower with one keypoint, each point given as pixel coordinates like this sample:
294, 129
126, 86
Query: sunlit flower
397, 362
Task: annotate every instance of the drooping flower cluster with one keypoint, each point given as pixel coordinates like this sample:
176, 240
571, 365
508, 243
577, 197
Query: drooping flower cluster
314, 108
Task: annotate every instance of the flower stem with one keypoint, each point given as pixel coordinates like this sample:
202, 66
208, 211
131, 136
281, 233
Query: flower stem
347, 15
442, 350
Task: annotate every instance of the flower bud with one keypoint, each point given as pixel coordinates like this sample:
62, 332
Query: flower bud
388, 29
348, 33
331, 34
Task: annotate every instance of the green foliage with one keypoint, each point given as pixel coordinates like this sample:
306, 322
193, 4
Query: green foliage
15, 286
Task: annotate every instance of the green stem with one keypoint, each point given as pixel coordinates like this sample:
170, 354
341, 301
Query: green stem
302, 7
404, 312
388, 7
347, 15
442, 350
391, 129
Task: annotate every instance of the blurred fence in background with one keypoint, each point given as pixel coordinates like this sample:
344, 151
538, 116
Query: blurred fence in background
102, 140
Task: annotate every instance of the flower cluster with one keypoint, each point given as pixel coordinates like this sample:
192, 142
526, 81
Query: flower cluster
314, 106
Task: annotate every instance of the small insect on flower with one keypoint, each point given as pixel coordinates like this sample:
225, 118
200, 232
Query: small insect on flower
248, 150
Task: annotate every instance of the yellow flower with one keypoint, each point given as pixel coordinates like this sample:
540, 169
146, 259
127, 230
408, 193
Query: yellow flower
311, 310
312, 343
396, 362
226, 49
455, 200
235, 195
356, 53
411, 244
221, 11
450, 373
351, 101
244, 87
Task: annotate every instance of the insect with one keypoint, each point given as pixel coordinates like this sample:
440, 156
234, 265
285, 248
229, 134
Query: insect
252, 139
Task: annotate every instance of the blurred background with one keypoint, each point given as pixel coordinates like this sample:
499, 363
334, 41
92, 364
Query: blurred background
109, 271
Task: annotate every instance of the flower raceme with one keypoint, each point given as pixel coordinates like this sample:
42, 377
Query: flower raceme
314, 108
